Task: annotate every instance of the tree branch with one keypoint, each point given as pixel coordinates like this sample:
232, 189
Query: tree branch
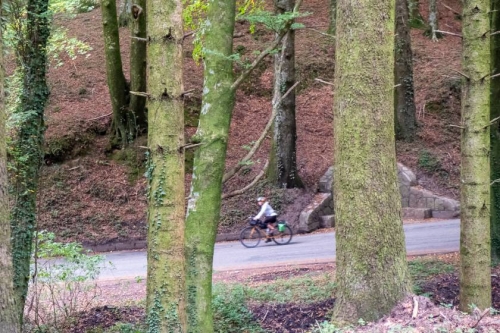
451, 9
325, 82
230, 174
449, 33
256, 179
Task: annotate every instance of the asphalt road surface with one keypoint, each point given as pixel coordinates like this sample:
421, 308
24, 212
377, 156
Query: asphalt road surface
421, 238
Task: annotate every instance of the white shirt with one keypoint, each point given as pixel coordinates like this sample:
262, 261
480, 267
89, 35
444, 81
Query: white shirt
265, 210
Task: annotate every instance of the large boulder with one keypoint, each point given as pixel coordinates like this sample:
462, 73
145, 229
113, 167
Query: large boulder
311, 217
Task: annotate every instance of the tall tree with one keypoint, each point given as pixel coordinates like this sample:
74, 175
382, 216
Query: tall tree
372, 272
209, 162
27, 145
406, 122
475, 256
129, 118
283, 155
9, 316
166, 297
203, 209
495, 133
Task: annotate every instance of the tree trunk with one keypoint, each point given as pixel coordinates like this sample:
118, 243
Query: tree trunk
333, 17
372, 273
406, 123
209, 162
9, 316
415, 18
138, 64
27, 149
166, 297
123, 120
475, 271
433, 20
124, 16
495, 134
283, 162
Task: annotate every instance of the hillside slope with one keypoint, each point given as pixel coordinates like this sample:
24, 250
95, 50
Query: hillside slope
94, 195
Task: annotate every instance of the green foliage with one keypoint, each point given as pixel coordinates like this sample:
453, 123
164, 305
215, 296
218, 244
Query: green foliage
59, 43
60, 287
230, 312
127, 328
72, 6
274, 22
428, 161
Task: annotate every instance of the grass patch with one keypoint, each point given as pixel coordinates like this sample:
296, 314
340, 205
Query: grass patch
305, 289
422, 270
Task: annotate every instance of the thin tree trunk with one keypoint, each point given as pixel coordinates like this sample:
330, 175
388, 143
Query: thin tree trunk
203, 209
433, 20
123, 129
415, 18
333, 17
27, 150
495, 134
9, 316
406, 122
372, 273
475, 258
283, 155
138, 64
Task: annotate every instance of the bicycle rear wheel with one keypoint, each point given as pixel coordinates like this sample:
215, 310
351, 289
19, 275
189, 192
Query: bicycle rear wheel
250, 237
283, 237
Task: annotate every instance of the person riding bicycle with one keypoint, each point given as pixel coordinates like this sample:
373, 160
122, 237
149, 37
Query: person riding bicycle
269, 215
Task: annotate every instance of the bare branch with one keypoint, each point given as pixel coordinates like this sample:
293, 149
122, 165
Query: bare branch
468, 78
494, 76
188, 146
321, 32
415, 307
104, 116
481, 317
451, 9
256, 179
228, 175
139, 39
449, 33
495, 33
325, 82
138, 93
461, 127
186, 35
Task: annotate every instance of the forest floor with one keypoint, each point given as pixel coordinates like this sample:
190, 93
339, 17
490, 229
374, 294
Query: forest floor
95, 195
267, 293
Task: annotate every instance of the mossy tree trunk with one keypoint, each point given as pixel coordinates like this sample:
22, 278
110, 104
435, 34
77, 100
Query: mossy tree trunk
27, 146
9, 316
495, 133
138, 64
406, 122
416, 20
333, 17
209, 162
283, 155
475, 256
372, 273
123, 121
166, 297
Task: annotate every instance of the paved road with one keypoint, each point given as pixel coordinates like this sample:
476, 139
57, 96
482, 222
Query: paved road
421, 238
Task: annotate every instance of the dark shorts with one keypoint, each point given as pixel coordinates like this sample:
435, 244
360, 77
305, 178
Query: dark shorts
270, 219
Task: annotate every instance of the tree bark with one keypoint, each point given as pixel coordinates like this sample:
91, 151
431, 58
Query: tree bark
372, 273
27, 149
333, 17
166, 297
406, 122
283, 155
203, 209
123, 128
475, 258
495, 134
138, 64
9, 316
433, 20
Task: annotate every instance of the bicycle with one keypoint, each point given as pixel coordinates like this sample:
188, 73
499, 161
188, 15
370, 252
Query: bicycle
251, 236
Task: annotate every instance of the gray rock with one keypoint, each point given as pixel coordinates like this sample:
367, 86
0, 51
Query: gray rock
326, 182
327, 221
310, 219
417, 213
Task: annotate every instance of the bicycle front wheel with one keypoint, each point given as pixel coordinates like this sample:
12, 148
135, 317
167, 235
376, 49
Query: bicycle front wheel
283, 237
250, 237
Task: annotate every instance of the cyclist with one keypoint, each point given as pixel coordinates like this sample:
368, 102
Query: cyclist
269, 215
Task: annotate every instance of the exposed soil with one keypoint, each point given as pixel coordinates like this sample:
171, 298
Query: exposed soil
438, 311
93, 195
